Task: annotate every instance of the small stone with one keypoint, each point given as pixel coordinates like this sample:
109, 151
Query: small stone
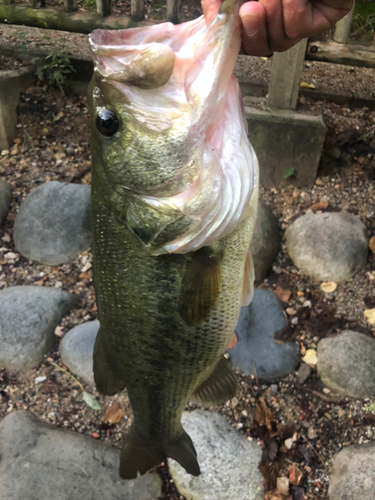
311, 432
70, 150
228, 461
332, 246
282, 485
77, 348
295, 476
290, 311
28, 318
256, 352
39, 462
266, 242
39, 380
5, 199
304, 372
319, 182
310, 358
346, 364
290, 441
4, 152
353, 473
328, 287
53, 225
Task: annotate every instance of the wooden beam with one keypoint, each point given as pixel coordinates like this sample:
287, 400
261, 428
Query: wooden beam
342, 29
338, 53
137, 10
70, 5
286, 71
173, 11
103, 7
57, 19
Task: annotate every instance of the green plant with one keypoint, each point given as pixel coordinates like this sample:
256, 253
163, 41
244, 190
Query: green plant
57, 69
289, 172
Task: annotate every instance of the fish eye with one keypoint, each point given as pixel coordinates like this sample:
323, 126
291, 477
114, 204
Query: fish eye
107, 123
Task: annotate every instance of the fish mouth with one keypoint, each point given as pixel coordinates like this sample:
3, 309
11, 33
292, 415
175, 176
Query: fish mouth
179, 77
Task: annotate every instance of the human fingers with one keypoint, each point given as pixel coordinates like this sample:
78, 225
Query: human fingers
263, 31
210, 9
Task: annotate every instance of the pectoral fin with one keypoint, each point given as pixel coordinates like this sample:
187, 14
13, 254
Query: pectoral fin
105, 380
248, 280
201, 287
220, 386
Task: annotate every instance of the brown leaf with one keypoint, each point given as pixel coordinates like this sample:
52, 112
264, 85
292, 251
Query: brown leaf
295, 476
372, 244
262, 414
113, 414
320, 205
50, 388
84, 276
282, 293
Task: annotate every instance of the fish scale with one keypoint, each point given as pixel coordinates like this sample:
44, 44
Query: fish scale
171, 270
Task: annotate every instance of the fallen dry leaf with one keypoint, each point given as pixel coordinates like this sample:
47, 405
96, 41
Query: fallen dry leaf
310, 358
59, 331
371, 244
370, 316
282, 293
328, 287
262, 414
113, 414
295, 476
320, 205
305, 85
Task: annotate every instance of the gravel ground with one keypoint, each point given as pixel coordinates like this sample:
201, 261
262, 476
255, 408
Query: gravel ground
53, 144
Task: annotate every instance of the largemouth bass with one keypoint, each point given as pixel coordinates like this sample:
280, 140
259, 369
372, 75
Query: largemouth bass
174, 197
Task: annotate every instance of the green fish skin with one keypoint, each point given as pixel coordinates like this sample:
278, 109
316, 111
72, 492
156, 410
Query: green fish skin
174, 199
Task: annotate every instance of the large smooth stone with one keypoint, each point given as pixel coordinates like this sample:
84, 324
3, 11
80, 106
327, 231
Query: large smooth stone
5, 199
77, 349
39, 462
332, 246
228, 462
353, 473
256, 352
265, 243
53, 225
346, 364
28, 318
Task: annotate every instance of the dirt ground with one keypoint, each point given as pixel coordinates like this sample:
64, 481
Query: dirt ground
53, 144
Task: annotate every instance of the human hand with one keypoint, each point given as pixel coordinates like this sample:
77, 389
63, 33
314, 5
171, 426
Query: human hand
276, 25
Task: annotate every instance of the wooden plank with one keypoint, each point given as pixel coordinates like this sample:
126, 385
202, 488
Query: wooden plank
58, 19
338, 53
103, 7
173, 11
137, 10
286, 71
70, 5
342, 29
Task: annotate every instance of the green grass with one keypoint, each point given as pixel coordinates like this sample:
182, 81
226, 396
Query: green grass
363, 25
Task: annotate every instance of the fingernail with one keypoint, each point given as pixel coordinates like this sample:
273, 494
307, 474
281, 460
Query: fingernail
250, 24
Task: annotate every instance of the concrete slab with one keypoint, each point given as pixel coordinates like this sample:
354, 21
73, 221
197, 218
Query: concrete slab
288, 145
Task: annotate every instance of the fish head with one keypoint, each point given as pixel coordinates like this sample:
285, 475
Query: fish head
168, 129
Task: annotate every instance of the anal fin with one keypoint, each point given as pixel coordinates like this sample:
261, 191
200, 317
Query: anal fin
220, 386
105, 380
201, 287
140, 455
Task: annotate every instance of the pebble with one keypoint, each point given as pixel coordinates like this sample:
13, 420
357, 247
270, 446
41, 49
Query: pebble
53, 225
304, 372
228, 461
77, 348
256, 352
28, 318
353, 473
5, 199
331, 246
346, 364
39, 462
266, 242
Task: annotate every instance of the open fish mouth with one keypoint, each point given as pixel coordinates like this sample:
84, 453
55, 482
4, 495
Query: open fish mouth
177, 83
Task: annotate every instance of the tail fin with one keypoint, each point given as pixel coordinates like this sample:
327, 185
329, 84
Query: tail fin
139, 455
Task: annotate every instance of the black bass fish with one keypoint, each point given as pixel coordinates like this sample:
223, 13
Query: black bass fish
174, 198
